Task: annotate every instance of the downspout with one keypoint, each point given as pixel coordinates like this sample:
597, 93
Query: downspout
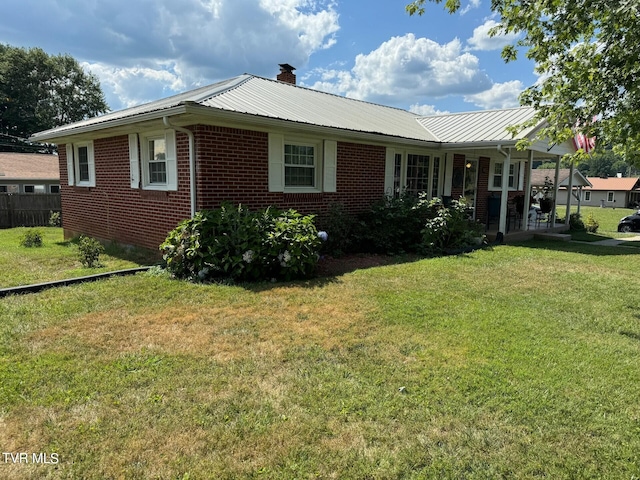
192, 161
504, 198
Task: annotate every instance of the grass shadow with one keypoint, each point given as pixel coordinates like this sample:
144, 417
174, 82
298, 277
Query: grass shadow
576, 247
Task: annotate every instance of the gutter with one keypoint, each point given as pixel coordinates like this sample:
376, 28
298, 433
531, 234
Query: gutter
192, 161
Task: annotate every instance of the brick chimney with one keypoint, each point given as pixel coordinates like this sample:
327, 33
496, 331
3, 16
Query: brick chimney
286, 74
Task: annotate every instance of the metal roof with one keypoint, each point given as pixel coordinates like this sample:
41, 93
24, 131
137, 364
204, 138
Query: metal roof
252, 95
625, 184
480, 126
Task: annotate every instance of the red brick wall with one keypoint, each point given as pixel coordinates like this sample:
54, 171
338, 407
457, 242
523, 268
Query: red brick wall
232, 166
112, 210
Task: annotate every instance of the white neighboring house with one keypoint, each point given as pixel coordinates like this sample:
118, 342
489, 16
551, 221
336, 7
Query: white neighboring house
612, 192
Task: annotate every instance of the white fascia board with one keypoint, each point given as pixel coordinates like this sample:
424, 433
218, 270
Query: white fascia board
62, 136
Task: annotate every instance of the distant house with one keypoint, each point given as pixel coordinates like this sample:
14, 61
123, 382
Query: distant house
29, 173
612, 192
132, 175
579, 182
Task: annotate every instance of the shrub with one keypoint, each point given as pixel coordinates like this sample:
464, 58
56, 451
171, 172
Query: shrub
31, 238
54, 219
236, 243
451, 229
89, 250
342, 228
392, 225
575, 222
591, 224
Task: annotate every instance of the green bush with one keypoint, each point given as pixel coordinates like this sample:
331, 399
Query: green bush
575, 222
31, 238
55, 220
591, 225
341, 227
234, 242
392, 225
89, 251
452, 229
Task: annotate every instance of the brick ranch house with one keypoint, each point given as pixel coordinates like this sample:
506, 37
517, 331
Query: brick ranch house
130, 176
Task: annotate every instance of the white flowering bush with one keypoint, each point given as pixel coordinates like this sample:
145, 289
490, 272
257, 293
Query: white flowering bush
234, 242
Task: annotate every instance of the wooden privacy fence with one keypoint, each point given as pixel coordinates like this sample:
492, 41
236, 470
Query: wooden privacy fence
27, 209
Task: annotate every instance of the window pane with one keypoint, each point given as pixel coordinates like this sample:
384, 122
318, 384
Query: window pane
435, 180
397, 174
158, 172
299, 155
417, 173
299, 161
299, 176
157, 149
83, 164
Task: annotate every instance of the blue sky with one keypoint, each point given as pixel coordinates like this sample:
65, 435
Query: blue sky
143, 50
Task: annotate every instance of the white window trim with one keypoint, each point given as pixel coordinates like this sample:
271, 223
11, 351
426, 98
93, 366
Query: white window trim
73, 168
143, 162
613, 196
404, 166
587, 196
518, 176
325, 163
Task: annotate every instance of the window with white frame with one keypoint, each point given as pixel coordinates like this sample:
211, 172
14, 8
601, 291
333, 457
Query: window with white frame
302, 164
417, 173
156, 163
81, 164
610, 197
587, 196
412, 172
497, 174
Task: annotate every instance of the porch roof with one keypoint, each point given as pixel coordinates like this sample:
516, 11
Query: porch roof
538, 176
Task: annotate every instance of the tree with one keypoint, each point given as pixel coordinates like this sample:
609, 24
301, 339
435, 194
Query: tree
586, 53
39, 91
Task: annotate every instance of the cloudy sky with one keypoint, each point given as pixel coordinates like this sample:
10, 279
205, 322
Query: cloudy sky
143, 50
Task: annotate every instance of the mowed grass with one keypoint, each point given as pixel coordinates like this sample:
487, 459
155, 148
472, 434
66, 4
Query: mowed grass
517, 362
607, 218
57, 259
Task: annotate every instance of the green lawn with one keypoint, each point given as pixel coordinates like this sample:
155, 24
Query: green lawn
516, 362
56, 259
608, 219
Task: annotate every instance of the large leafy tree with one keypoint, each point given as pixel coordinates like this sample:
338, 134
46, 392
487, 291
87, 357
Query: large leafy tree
587, 56
40, 91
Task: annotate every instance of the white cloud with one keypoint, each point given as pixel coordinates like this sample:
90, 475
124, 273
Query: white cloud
472, 4
405, 68
481, 40
146, 46
426, 110
500, 95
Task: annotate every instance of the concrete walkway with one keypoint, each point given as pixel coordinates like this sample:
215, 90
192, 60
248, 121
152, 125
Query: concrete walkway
612, 242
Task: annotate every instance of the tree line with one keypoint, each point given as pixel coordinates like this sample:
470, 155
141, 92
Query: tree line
39, 91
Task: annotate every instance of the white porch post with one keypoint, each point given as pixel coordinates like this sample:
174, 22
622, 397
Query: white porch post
502, 226
555, 192
527, 193
569, 194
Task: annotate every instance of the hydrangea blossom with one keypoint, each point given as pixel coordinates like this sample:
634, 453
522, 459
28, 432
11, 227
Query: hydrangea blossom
323, 236
248, 256
284, 258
